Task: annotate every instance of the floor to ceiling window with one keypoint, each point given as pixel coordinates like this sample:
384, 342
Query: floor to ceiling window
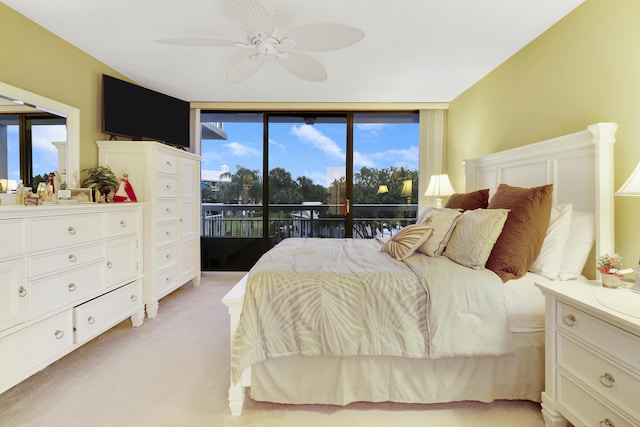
269, 176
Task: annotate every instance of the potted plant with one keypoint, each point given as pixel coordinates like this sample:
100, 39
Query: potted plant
102, 180
610, 267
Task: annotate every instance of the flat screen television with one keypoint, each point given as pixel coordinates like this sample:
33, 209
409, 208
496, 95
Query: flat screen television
136, 112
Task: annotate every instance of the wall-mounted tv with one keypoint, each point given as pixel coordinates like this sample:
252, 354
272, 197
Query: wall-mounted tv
136, 112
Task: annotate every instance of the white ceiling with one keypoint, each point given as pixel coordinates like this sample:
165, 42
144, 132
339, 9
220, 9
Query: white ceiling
413, 50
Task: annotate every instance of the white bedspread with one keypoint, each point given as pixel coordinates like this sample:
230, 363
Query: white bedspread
344, 297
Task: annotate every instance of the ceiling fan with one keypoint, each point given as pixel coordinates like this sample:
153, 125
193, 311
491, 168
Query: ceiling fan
265, 42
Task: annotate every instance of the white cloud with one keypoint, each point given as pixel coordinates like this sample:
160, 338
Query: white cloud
238, 149
372, 128
309, 134
274, 143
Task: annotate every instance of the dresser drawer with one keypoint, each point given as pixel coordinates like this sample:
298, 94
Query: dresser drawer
167, 210
62, 289
96, 316
616, 341
586, 408
14, 293
167, 163
53, 232
166, 233
33, 348
166, 280
602, 375
166, 185
65, 259
121, 223
12, 231
166, 255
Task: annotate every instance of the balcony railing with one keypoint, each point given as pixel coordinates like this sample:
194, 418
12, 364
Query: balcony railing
304, 220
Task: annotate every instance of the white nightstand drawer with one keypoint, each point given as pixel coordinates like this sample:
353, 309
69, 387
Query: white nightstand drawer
96, 316
614, 340
121, 223
65, 259
586, 408
53, 232
601, 374
167, 163
65, 288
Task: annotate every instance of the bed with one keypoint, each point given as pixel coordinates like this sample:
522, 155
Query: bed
482, 339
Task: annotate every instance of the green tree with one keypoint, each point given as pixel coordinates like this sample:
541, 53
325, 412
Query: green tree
245, 187
282, 188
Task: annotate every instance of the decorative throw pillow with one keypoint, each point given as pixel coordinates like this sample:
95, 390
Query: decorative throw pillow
549, 260
521, 239
443, 221
478, 199
474, 236
405, 242
579, 243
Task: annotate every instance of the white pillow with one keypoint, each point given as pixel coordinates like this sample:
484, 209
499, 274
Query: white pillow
474, 236
405, 242
443, 221
581, 239
550, 257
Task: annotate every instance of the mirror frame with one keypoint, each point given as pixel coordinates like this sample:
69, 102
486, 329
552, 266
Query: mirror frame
72, 116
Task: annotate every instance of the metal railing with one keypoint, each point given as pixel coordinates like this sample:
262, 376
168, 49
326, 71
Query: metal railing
304, 220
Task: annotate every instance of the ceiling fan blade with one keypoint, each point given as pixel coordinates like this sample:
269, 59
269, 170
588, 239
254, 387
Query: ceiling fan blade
245, 68
324, 36
303, 66
197, 41
252, 15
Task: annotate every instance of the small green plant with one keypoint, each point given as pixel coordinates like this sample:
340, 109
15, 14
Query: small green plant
101, 179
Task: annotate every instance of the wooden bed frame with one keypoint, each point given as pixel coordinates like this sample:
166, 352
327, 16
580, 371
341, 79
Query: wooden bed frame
580, 165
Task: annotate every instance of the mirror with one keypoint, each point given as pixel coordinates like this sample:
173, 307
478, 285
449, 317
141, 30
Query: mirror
69, 153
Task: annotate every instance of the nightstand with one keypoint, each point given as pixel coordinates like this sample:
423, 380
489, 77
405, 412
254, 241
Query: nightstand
592, 362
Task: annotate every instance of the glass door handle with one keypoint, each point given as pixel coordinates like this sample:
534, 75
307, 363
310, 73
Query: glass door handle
347, 207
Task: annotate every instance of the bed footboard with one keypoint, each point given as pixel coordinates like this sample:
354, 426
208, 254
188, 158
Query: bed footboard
233, 300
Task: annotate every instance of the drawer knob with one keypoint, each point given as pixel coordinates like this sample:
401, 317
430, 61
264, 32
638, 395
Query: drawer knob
58, 334
134, 297
168, 279
109, 264
569, 320
72, 258
72, 287
168, 163
22, 292
168, 210
71, 230
123, 224
607, 423
168, 256
168, 234
607, 380
169, 187
91, 320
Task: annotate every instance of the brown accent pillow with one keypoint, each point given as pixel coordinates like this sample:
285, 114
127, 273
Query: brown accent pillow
523, 233
478, 199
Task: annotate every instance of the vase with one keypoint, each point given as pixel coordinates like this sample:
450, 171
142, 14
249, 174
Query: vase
610, 280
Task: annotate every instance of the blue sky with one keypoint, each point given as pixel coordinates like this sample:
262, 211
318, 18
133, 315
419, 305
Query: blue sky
306, 150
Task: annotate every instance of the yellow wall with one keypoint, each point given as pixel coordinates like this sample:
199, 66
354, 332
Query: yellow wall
35, 60
584, 70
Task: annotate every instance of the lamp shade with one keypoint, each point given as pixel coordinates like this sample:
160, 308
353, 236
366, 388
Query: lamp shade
407, 188
632, 186
439, 185
382, 189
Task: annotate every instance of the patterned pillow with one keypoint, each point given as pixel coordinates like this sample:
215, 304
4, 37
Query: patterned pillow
474, 236
405, 242
443, 221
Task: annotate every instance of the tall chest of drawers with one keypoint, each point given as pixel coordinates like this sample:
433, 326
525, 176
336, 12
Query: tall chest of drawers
168, 181
592, 355
67, 274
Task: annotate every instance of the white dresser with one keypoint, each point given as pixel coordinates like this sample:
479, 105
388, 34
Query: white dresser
67, 274
168, 180
592, 355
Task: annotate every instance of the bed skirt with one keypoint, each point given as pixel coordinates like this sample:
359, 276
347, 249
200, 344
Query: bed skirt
343, 380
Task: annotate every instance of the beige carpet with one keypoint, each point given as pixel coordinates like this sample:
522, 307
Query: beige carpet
173, 371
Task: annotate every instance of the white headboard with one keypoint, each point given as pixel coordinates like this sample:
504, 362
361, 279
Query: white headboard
579, 165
